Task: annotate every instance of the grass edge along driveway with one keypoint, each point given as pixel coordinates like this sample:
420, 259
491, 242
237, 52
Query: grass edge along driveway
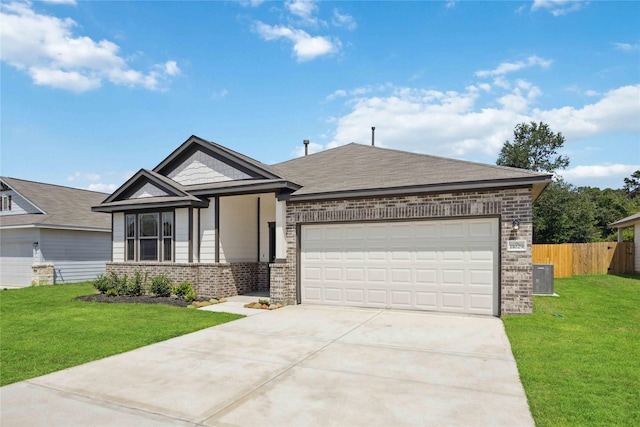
579, 354
44, 329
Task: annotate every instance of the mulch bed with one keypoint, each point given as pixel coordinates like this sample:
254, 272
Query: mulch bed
143, 299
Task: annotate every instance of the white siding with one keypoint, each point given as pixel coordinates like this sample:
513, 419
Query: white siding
17, 255
636, 239
182, 235
208, 233
201, 168
76, 255
118, 237
267, 215
239, 228
148, 190
195, 237
19, 205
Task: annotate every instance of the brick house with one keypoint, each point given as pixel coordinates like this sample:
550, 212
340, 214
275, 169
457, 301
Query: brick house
355, 225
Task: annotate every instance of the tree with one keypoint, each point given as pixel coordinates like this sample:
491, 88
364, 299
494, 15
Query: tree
632, 185
535, 148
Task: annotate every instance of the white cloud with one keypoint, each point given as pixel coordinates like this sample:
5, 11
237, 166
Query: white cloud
559, 7
475, 122
617, 110
302, 8
305, 47
340, 93
343, 20
104, 188
83, 176
221, 94
450, 4
70, 2
627, 47
599, 171
45, 48
171, 68
510, 67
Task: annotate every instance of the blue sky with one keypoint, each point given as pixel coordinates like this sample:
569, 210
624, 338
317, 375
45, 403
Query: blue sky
93, 91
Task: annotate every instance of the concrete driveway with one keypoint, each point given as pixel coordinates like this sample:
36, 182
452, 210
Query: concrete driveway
302, 365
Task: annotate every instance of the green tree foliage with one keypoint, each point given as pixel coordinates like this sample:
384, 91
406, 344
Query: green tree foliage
534, 147
632, 185
568, 214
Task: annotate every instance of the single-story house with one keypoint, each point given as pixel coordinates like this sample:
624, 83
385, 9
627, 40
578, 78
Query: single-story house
48, 234
354, 225
630, 221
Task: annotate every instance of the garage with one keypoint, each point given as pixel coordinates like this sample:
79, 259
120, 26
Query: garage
435, 265
15, 263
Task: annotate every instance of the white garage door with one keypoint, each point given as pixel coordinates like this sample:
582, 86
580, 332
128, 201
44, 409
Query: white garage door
448, 265
15, 263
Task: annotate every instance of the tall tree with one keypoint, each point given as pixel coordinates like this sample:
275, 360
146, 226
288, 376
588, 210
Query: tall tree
632, 185
534, 147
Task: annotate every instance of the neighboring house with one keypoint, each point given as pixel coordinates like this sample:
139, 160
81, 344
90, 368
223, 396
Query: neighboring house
48, 234
630, 221
355, 225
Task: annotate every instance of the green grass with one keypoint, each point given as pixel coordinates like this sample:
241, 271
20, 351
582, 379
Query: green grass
44, 329
579, 354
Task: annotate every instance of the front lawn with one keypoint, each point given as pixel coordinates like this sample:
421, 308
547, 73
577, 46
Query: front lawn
579, 354
44, 329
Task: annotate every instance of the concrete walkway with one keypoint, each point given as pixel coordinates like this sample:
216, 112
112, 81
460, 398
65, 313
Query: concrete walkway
296, 366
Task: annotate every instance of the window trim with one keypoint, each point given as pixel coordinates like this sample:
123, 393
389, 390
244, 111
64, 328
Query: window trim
159, 238
5, 205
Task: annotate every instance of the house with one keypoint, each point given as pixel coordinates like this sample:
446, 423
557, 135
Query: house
355, 225
48, 234
630, 221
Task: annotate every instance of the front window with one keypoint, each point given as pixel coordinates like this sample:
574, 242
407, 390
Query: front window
147, 238
167, 235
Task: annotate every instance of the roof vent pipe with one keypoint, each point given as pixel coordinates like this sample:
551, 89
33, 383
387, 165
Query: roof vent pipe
306, 146
373, 136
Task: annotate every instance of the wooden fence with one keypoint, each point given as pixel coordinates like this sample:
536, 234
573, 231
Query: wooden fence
571, 259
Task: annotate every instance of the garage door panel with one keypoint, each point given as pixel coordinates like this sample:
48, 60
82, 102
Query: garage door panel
313, 294
333, 294
354, 274
444, 265
377, 297
427, 300
453, 300
354, 296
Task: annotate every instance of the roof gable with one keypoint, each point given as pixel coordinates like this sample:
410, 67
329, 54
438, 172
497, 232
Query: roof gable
198, 161
146, 184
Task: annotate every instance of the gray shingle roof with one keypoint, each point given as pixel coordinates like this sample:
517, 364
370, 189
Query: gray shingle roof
355, 167
64, 206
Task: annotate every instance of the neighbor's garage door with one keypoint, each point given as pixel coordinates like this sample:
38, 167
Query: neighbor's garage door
448, 265
15, 263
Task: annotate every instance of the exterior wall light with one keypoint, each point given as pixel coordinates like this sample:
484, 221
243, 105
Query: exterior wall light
516, 224
35, 245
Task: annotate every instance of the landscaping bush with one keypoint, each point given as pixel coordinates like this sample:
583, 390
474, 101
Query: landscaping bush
136, 286
102, 284
160, 286
185, 291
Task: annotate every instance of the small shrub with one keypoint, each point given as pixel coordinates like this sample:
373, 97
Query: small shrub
160, 286
111, 292
102, 284
185, 291
263, 301
136, 286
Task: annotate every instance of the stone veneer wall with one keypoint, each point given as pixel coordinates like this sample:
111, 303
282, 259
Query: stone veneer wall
42, 274
516, 275
219, 280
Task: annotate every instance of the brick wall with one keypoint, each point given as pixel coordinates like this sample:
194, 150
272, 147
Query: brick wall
516, 276
215, 280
